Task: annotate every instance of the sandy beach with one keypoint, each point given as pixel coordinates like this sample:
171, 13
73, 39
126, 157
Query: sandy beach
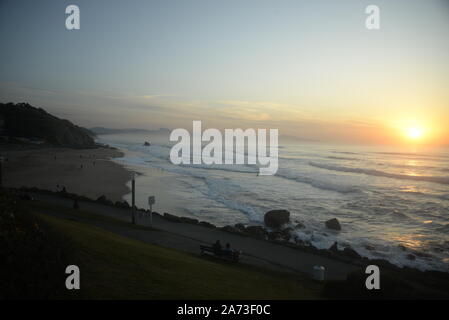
88, 172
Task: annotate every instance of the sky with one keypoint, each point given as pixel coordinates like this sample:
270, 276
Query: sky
308, 68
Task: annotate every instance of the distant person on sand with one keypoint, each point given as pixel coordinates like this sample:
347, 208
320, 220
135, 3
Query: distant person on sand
217, 247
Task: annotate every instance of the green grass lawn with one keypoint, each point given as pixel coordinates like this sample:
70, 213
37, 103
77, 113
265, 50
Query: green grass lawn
116, 267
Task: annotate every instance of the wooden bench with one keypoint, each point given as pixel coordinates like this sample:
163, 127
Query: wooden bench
233, 256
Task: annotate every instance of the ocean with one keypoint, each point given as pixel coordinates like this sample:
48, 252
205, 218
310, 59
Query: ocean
390, 202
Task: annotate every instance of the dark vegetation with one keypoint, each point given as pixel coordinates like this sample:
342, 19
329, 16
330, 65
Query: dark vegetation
33, 258
21, 120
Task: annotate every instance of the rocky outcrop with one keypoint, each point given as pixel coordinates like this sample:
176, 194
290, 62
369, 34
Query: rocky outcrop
276, 218
333, 224
24, 121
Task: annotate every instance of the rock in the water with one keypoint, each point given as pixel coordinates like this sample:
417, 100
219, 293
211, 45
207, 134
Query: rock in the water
276, 218
333, 224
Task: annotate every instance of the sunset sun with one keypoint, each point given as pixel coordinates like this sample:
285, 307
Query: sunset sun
414, 133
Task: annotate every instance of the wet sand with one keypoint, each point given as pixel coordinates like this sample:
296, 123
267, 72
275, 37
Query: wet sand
88, 172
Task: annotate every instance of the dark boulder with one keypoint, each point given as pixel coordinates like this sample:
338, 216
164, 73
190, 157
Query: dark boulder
333, 224
276, 218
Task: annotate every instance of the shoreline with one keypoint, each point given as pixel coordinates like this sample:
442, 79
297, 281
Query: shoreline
88, 172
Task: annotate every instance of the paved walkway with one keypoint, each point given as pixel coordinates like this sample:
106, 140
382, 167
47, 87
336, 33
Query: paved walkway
187, 237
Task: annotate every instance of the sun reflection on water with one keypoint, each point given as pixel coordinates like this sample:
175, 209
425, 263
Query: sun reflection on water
410, 241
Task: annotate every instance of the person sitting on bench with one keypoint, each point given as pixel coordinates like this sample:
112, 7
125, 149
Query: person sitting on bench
228, 249
217, 248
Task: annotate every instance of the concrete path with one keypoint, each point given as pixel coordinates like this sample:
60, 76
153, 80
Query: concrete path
188, 237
